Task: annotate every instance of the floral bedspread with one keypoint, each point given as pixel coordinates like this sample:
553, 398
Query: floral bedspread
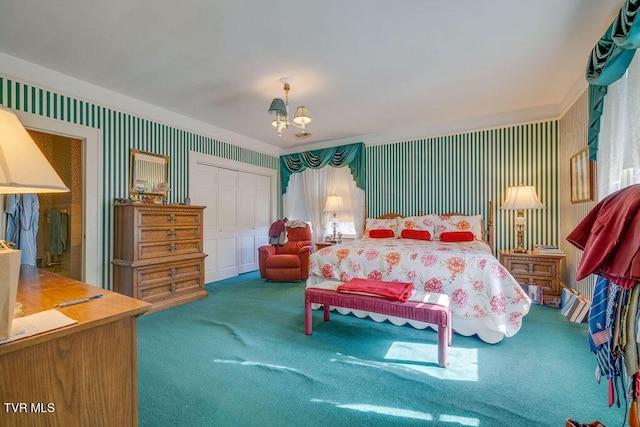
479, 287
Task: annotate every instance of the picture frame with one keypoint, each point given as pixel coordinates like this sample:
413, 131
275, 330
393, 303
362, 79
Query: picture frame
582, 177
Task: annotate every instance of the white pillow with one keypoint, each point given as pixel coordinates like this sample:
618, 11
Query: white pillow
380, 224
423, 223
472, 223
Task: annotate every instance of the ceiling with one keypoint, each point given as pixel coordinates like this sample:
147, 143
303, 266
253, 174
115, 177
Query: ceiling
366, 69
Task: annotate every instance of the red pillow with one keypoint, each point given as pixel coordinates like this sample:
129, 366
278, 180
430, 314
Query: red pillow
381, 234
415, 234
457, 236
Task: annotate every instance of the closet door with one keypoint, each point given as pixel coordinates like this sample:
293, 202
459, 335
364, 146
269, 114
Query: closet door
263, 210
204, 192
247, 249
228, 223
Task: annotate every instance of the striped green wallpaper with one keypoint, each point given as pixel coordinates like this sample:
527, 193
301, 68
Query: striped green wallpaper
120, 132
462, 173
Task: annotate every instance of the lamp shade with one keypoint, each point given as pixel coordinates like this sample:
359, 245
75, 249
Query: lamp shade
301, 116
334, 204
23, 167
278, 107
522, 197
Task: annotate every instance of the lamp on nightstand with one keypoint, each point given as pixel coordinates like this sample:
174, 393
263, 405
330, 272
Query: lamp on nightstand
520, 198
334, 204
23, 169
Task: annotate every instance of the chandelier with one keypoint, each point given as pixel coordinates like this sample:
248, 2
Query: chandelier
279, 111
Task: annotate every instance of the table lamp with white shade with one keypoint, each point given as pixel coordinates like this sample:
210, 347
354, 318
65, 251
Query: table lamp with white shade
23, 169
334, 204
520, 198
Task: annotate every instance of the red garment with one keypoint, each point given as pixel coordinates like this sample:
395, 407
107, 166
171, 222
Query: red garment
398, 291
610, 237
277, 227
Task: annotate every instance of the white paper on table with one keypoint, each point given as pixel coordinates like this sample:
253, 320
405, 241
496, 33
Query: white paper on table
38, 323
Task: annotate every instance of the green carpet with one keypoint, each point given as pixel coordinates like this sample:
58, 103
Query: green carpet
240, 358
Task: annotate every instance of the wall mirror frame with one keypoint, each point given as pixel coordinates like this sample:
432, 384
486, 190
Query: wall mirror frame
148, 173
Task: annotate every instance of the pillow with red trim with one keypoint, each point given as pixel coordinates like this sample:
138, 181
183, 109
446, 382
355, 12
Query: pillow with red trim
379, 224
447, 223
415, 234
381, 234
423, 222
457, 236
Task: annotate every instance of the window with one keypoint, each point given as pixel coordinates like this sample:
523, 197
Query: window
618, 163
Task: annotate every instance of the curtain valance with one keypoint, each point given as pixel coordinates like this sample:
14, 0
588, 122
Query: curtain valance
608, 61
352, 155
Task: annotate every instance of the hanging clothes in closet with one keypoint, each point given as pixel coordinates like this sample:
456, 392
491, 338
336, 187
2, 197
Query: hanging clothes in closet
58, 230
610, 237
22, 224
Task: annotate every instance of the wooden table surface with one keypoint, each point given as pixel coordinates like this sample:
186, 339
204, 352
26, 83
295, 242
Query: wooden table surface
83, 374
40, 290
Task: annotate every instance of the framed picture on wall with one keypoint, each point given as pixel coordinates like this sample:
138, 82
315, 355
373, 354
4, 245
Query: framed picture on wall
582, 170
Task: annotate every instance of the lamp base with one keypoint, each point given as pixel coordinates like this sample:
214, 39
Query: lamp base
9, 275
519, 250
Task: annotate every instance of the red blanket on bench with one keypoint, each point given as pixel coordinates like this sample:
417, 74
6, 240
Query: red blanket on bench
398, 291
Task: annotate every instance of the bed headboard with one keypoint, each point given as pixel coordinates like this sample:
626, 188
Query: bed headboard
487, 231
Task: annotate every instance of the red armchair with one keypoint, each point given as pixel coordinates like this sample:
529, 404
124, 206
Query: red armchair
289, 262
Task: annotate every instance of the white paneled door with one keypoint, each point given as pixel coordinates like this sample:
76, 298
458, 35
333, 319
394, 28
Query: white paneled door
237, 217
228, 223
204, 192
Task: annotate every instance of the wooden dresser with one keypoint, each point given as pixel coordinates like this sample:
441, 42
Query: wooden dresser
535, 269
158, 254
85, 374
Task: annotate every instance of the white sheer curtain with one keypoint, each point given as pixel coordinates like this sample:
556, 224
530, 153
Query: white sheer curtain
305, 199
307, 194
618, 164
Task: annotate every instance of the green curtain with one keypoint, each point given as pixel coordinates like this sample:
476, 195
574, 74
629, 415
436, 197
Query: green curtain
608, 61
596, 107
352, 155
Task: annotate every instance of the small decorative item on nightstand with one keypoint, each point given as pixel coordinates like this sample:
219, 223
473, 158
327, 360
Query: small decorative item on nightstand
532, 268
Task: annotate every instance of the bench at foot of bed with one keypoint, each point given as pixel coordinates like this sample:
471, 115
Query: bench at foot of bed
435, 314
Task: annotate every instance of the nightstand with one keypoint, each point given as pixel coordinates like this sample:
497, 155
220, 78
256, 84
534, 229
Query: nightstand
324, 245
535, 269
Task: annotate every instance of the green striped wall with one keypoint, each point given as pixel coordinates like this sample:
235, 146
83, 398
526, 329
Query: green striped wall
462, 173
120, 132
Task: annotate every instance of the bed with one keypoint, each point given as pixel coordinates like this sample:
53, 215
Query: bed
438, 254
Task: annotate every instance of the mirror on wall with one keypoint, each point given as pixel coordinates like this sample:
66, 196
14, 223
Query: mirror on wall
149, 173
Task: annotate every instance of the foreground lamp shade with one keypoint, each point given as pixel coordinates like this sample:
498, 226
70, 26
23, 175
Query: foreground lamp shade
23, 169
520, 198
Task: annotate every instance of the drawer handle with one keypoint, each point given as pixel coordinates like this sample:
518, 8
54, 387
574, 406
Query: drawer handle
173, 273
530, 267
171, 218
172, 287
171, 233
171, 248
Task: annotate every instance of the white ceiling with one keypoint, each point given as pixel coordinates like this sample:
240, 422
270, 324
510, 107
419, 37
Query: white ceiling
366, 69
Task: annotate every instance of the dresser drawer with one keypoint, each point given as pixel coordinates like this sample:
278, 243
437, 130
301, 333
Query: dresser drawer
531, 267
169, 289
168, 218
167, 234
163, 249
167, 272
